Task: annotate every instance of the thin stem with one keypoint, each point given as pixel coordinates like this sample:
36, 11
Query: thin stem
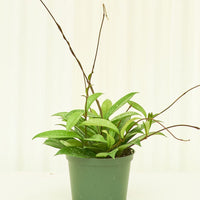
72, 52
128, 108
177, 125
64, 37
141, 138
177, 100
165, 128
98, 41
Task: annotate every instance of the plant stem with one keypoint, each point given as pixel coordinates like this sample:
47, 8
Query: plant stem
74, 55
177, 125
177, 100
98, 41
165, 128
64, 37
143, 137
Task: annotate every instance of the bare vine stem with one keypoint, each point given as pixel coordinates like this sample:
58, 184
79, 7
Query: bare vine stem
64, 37
98, 41
164, 128
141, 138
177, 100
167, 129
74, 55
177, 125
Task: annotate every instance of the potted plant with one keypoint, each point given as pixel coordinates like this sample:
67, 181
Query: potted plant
99, 144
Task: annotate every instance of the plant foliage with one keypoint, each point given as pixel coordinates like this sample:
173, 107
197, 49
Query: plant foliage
103, 133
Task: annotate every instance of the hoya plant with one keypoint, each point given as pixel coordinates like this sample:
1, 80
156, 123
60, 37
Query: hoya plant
96, 131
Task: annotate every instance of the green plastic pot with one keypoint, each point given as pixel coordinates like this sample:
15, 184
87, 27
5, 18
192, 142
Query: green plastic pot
99, 179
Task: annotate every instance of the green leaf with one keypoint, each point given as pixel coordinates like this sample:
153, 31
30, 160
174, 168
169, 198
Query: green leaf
94, 112
56, 134
60, 114
100, 122
112, 133
147, 127
90, 130
122, 122
129, 136
106, 154
133, 133
119, 104
91, 99
71, 143
131, 121
138, 107
123, 115
63, 125
106, 106
76, 152
159, 133
150, 118
96, 147
54, 143
110, 139
96, 138
89, 76
137, 129
92, 115
73, 117
136, 141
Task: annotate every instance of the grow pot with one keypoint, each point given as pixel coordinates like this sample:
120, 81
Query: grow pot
99, 179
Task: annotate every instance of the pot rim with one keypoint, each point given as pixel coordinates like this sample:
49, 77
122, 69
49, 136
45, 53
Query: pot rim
100, 161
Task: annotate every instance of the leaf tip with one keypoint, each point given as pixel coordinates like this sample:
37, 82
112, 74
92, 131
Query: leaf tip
34, 137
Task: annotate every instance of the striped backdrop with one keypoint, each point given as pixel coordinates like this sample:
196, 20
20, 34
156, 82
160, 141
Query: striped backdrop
149, 46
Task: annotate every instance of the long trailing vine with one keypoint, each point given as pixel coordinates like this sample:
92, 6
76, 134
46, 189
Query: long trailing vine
89, 134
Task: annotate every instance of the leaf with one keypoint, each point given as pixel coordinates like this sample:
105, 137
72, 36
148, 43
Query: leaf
90, 130
71, 142
56, 134
110, 139
67, 116
94, 112
106, 106
146, 127
137, 129
54, 143
123, 115
126, 125
97, 147
60, 114
89, 76
63, 125
92, 115
96, 138
122, 122
106, 154
159, 133
76, 152
136, 141
129, 136
73, 117
119, 104
138, 107
150, 118
112, 133
132, 133
100, 122
91, 99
